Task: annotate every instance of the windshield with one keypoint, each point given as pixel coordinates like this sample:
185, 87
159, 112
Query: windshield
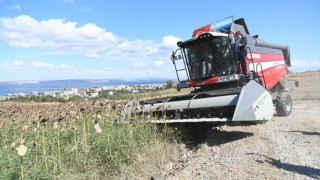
209, 58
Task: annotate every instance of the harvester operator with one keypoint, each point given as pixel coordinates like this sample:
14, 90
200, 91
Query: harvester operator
240, 43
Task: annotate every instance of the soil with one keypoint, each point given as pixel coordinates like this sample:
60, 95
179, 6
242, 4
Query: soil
282, 148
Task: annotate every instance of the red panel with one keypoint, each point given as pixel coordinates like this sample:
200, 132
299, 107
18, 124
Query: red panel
259, 57
273, 75
201, 30
212, 80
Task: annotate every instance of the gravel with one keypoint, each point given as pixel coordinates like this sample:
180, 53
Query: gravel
283, 148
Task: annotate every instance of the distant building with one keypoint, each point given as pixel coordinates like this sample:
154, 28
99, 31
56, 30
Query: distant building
67, 93
75, 90
110, 93
106, 88
82, 93
95, 94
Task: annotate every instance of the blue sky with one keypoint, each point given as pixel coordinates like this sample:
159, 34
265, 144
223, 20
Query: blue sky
81, 39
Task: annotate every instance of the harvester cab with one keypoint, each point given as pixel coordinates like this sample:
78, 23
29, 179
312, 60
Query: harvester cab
207, 56
222, 91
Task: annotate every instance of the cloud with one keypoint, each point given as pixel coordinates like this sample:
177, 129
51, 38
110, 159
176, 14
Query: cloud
305, 65
62, 36
63, 66
14, 7
55, 34
170, 41
58, 37
41, 70
85, 9
17, 62
41, 65
147, 47
159, 63
139, 64
12, 66
140, 47
70, 1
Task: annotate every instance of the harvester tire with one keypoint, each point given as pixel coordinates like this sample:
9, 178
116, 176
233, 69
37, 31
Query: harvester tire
284, 104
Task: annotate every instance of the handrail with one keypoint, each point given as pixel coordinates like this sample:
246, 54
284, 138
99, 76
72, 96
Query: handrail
264, 80
251, 59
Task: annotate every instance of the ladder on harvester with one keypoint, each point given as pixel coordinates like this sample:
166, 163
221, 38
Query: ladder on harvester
180, 68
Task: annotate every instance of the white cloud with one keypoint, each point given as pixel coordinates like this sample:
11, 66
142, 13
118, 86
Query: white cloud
158, 63
139, 64
85, 9
170, 41
63, 66
17, 62
55, 34
41, 65
12, 66
305, 65
141, 47
59, 35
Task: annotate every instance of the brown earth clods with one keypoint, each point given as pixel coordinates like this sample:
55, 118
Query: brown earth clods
42, 112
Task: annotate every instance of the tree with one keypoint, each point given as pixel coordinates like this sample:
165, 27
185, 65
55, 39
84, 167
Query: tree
169, 84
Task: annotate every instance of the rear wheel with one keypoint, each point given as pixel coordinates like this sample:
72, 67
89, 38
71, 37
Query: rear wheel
284, 104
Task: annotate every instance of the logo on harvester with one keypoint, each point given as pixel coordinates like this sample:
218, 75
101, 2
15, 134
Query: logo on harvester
253, 56
259, 102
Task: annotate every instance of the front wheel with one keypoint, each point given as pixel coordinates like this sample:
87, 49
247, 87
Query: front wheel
284, 104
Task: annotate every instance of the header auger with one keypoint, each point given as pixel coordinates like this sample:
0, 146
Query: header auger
209, 63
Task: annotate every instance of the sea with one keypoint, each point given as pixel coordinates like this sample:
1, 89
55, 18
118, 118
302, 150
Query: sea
29, 87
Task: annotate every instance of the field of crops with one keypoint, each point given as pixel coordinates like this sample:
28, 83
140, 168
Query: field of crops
77, 141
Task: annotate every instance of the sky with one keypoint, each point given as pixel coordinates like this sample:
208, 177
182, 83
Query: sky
119, 39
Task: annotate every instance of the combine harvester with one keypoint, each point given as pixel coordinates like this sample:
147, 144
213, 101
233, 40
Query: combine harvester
222, 93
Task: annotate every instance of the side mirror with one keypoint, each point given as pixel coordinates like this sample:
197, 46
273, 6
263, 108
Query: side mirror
255, 36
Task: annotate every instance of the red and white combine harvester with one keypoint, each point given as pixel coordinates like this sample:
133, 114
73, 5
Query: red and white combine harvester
222, 91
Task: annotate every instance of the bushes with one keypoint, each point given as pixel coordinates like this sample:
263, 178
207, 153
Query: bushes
169, 84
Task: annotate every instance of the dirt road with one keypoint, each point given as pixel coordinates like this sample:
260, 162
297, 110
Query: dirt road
283, 148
